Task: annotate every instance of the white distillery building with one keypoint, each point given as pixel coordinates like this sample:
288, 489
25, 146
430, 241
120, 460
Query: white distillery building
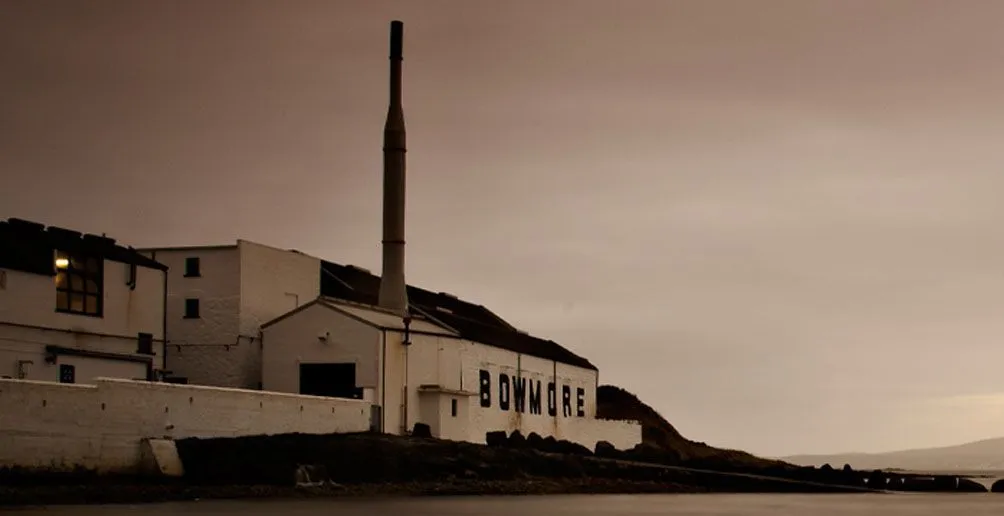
74, 307
217, 299
248, 315
448, 363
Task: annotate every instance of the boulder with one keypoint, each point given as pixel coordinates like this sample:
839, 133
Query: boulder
497, 438
878, 480
422, 430
971, 486
570, 448
606, 450
516, 440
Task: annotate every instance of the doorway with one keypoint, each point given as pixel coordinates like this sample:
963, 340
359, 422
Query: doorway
332, 380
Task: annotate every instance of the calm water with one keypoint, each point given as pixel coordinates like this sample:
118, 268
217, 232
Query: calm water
760, 505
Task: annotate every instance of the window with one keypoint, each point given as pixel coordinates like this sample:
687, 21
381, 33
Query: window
192, 267
79, 284
67, 373
191, 309
453, 407
145, 344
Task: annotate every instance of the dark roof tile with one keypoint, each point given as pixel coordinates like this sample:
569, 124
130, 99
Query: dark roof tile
471, 321
28, 246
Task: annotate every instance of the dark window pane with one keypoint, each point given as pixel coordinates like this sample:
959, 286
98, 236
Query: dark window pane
62, 301
61, 279
192, 266
92, 304
76, 263
77, 302
67, 373
191, 308
93, 265
76, 283
92, 286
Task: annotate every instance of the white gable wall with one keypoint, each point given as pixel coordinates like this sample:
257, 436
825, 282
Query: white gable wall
292, 341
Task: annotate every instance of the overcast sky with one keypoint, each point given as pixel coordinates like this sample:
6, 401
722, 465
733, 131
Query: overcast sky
778, 222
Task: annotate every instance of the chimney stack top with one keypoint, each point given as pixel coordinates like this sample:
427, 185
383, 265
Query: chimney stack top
396, 37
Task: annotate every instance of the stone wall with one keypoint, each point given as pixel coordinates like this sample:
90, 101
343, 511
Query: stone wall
57, 426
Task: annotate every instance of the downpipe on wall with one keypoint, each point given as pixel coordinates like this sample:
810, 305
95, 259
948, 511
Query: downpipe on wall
406, 342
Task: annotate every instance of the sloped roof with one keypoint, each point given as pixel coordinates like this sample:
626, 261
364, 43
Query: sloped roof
29, 246
471, 321
371, 315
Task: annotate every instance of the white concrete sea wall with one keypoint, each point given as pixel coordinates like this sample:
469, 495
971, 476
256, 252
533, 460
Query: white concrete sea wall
55, 426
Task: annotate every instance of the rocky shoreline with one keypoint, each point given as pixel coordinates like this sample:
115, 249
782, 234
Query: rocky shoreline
135, 493
367, 465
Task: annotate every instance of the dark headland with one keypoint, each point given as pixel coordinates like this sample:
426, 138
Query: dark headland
296, 465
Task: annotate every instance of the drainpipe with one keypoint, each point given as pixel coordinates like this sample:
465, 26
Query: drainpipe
406, 342
383, 382
163, 328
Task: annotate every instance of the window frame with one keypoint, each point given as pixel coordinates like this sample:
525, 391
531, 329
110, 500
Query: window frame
67, 373
86, 269
193, 272
198, 308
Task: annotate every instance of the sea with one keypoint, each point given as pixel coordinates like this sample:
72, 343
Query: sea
982, 504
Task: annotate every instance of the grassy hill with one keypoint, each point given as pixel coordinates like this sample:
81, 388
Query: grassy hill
616, 403
986, 455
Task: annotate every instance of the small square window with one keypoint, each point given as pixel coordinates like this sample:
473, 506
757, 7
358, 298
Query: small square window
192, 267
453, 407
191, 309
144, 344
67, 373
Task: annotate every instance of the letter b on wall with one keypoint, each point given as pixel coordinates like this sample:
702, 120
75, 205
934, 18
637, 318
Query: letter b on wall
485, 380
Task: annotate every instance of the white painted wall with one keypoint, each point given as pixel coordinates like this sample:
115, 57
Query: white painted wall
28, 345
51, 425
29, 322
206, 350
240, 288
31, 299
294, 340
273, 282
454, 364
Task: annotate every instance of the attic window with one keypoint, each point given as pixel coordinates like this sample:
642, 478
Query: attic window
192, 267
79, 284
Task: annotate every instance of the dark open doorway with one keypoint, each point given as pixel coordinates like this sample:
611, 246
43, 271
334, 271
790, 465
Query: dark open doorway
333, 380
